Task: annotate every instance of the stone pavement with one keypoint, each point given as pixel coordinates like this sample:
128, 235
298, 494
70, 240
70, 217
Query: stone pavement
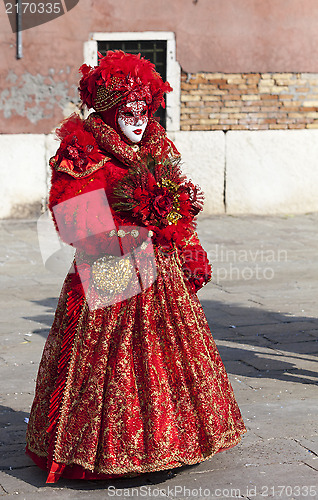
262, 309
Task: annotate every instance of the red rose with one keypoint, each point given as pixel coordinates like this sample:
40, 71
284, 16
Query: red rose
163, 203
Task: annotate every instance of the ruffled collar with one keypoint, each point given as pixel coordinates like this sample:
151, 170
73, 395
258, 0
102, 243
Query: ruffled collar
154, 143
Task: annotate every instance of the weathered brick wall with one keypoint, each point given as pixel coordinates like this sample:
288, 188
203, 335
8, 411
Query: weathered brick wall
252, 101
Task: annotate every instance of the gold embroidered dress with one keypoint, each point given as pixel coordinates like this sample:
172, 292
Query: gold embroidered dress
136, 385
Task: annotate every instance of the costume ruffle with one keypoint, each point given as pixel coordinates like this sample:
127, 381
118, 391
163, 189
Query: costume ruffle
145, 387
136, 385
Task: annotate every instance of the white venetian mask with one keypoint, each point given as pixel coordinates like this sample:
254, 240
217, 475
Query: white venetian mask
132, 120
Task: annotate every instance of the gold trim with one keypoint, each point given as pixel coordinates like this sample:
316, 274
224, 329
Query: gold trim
156, 465
57, 166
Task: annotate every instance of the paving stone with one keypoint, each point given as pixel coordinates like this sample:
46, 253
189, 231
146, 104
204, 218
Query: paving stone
12, 485
238, 367
265, 331
312, 462
309, 347
278, 361
290, 419
310, 444
267, 481
281, 332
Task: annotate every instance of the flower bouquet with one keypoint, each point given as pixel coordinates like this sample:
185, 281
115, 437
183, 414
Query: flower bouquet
159, 196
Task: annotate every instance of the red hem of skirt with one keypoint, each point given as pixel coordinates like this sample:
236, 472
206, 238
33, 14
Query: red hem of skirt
78, 472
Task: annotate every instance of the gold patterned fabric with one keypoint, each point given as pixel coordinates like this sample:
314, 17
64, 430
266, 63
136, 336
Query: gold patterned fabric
130, 379
145, 388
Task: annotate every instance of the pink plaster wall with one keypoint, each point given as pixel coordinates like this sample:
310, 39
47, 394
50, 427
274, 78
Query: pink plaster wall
231, 36
225, 35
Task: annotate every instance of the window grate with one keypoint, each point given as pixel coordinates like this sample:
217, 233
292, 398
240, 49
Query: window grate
154, 50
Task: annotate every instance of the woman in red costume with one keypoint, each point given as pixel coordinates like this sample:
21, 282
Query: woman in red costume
130, 379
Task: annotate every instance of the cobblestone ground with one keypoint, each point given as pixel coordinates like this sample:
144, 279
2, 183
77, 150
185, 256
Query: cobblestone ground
262, 310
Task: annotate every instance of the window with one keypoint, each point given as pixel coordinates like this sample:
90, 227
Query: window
159, 48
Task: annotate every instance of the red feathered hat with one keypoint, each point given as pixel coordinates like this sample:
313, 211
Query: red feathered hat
121, 78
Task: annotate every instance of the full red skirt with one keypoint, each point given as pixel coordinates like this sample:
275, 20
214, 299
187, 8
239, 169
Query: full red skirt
132, 387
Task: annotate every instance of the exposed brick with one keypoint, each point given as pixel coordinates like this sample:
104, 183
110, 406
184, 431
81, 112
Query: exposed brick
196, 79
212, 76
207, 86
195, 116
298, 115
231, 104
268, 120
292, 106
217, 81
278, 127
267, 83
235, 79
211, 98
248, 121
210, 109
238, 116
296, 126
285, 120
208, 121
232, 110
219, 92
250, 97
194, 104
270, 104
305, 81
252, 76
186, 98
258, 127
220, 127
220, 101
284, 75
310, 104
234, 91
302, 89
189, 121
190, 109
198, 92
200, 127
233, 75
232, 97
188, 86
248, 108
261, 115
266, 97
239, 127
310, 109
230, 121
285, 82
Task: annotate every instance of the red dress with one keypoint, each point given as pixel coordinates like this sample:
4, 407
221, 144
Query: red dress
136, 385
